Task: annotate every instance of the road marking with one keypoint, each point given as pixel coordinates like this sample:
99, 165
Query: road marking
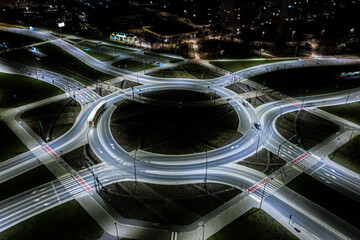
294, 104
297, 169
57, 196
253, 197
81, 181
82, 92
279, 181
50, 151
258, 184
299, 158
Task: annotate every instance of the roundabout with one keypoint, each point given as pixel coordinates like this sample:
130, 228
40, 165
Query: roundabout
256, 125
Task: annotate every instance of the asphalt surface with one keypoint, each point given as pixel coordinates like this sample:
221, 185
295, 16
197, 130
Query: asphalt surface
118, 165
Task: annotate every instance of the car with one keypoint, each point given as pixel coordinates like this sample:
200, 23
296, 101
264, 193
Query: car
245, 104
257, 125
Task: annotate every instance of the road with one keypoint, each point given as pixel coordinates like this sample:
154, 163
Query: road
155, 168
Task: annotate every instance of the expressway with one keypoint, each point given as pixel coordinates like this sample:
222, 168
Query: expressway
156, 168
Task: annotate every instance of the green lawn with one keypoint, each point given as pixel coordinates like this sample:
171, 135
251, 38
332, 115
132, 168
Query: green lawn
328, 198
26, 181
57, 60
10, 144
98, 55
233, 66
131, 65
309, 80
189, 70
17, 90
349, 111
119, 45
15, 40
254, 225
348, 155
171, 60
66, 221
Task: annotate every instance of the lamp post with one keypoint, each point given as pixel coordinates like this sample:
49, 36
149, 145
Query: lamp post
135, 167
348, 96
117, 234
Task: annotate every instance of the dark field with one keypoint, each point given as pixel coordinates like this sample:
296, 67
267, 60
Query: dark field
328, 198
180, 128
52, 120
309, 81
171, 204
310, 130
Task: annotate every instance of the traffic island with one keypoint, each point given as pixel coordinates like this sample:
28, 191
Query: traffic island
174, 122
348, 155
168, 204
255, 224
305, 129
52, 120
264, 161
350, 111
81, 158
188, 70
132, 65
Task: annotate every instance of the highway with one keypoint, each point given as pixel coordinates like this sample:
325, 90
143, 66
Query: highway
118, 165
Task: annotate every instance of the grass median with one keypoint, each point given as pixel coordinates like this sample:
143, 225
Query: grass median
53, 58
10, 144
233, 66
14, 40
66, 221
131, 65
17, 90
255, 224
348, 155
350, 112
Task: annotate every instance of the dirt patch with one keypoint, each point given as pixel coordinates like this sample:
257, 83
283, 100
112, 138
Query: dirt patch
310, 129
161, 127
265, 162
170, 204
53, 120
81, 157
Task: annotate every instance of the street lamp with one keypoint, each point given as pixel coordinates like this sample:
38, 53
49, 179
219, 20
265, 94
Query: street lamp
135, 167
117, 235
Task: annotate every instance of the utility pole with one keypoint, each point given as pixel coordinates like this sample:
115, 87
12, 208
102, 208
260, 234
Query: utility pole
348, 96
117, 234
132, 88
262, 196
135, 167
